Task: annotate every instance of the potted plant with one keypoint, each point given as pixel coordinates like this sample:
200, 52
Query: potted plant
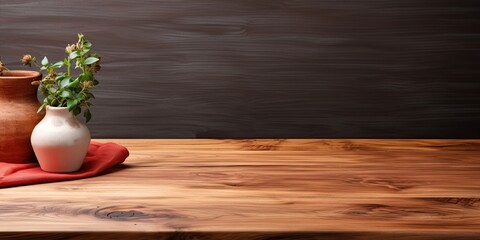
18, 117
60, 141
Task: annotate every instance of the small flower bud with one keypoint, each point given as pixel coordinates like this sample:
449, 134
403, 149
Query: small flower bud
97, 67
70, 48
27, 60
87, 84
51, 75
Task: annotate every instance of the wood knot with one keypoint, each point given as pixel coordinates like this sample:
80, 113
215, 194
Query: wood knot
464, 202
120, 215
126, 213
259, 147
262, 145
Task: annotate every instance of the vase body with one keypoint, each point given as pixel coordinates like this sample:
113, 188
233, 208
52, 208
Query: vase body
60, 141
18, 115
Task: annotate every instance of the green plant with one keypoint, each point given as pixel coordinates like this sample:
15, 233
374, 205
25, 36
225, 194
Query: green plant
67, 89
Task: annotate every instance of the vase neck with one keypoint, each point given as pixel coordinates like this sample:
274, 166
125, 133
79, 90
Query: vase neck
58, 112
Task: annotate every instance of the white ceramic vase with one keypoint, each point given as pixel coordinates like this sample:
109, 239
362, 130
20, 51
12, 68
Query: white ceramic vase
60, 141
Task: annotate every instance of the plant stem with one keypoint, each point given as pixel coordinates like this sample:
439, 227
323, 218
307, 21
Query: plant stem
35, 63
68, 67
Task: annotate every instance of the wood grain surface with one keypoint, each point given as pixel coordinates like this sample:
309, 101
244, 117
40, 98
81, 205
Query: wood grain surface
262, 189
267, 68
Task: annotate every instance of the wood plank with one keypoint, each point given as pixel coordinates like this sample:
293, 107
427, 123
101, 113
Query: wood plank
239, 189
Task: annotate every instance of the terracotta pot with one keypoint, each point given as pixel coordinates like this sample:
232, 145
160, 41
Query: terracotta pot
18, 115
60, 141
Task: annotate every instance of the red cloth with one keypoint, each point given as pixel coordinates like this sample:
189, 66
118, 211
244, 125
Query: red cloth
100, 156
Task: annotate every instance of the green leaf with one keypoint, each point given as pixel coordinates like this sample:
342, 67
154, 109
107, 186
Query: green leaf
45, 61
91, 60
54, 102
87, 114
52, 89
50, 98
41, 107
66, 94
59, 77
73, 55
58, 64
71, 104
65, 82
80, 96
87, 44
51, 68
95, 82
74, 83
85, 51
77, 111
86, 76
43, 68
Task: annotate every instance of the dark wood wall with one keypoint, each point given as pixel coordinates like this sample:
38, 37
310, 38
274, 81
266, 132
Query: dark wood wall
267, 68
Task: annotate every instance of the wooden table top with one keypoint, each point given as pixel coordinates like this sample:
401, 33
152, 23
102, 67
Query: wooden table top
262, 189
